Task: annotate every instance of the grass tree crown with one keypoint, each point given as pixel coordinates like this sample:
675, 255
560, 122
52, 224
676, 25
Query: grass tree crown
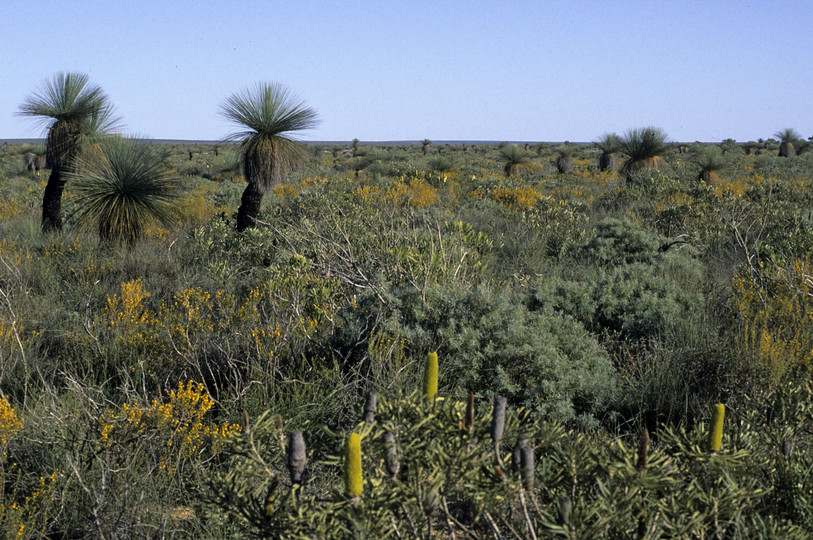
71, 108
269, 114
643, 148
122, 188
74, 112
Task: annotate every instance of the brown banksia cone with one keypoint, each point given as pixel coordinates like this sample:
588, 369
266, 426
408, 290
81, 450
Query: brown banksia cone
527, 466
469, 420
643, 450
565, 506
498, 418
369, 407
516, 453
297, 460
246, 425
391, 461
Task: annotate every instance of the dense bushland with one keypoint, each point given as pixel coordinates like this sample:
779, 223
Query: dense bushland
150, 388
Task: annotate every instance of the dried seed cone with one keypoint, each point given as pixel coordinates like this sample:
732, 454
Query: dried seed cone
391, 460
716, 431
352, 466
430, 376
246, 425
470, 411
369, 407
643, 450
526, 466
296, 456
498, 418
565, 506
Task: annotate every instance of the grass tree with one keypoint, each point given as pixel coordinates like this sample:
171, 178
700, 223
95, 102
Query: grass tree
609, 144
564, 160
710, 160
121, 188
788, 140
514, 158
642, 148
269, 113
74, 111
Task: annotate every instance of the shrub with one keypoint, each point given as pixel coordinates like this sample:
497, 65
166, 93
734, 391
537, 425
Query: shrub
637, 291
540, 360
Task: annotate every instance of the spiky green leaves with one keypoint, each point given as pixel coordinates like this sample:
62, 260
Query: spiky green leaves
710, 160
120, 188
789, 139
643, 148
514, 158
609, 143
270, 114
71, 108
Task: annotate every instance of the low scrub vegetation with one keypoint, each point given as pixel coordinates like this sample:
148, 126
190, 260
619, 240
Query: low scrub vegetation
619, 354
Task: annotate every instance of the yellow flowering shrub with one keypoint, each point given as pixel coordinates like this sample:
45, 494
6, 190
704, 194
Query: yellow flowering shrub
421, 193
27, 517
777, 318
285, 192
176, 428
10, 423
518, 198
10, 209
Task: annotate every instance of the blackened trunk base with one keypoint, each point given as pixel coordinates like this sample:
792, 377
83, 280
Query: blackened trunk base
52, 201
249, 207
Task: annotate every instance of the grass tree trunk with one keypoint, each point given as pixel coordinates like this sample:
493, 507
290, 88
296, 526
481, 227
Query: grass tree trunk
249, 207
607, 162
786, 149
52, 201
563, 165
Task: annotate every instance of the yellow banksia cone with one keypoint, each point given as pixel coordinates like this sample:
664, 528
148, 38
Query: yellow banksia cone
352, 466
716, 432
430, 376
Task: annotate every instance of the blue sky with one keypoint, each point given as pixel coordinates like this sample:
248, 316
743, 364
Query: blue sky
443, 70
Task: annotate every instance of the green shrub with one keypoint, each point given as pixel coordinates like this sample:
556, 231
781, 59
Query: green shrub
542, 361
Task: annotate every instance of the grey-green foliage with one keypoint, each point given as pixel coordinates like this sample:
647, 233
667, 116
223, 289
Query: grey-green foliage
451, 482
540, 360
636, 288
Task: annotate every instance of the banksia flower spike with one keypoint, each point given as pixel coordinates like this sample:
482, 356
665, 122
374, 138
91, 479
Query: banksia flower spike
271, 497
369, 407
296, 456
430, 376
716, 431
352, 466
